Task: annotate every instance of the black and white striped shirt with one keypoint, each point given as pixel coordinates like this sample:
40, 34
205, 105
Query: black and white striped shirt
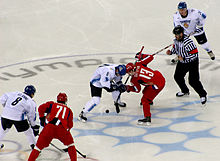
186, 49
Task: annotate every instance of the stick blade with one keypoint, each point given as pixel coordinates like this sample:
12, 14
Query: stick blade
117, 107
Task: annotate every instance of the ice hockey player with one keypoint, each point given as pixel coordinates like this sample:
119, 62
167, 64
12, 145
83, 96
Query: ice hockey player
108, 77
192, 20
143, 59
153, 82
60, 121
19, 109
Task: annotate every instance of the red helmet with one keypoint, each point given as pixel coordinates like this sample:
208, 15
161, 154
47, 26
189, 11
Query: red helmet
129, 67
61, 97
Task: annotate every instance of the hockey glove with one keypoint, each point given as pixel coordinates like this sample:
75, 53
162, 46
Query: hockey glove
119, 83
113, 87
42, 121
122, 88
138, 56
35, 129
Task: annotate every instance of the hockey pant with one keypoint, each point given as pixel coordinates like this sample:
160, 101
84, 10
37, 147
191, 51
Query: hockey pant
149, 93
202, 40
21, 126
49, 133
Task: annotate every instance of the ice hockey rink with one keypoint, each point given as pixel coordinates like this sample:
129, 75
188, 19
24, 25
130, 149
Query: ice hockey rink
56, 45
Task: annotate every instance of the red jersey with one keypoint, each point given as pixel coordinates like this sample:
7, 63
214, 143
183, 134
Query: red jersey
57, 110
146, 76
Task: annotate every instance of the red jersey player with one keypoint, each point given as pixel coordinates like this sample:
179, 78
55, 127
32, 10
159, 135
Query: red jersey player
153, 82
60, 121
143, 59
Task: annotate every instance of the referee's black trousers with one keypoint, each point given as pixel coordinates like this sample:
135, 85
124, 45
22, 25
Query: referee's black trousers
194, 79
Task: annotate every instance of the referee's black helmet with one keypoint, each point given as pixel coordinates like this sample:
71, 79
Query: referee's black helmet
178, 30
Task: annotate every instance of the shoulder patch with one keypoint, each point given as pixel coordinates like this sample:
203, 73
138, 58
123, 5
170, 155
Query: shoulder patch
203, 15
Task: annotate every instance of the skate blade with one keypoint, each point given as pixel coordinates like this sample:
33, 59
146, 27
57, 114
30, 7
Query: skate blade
144, 123
203, 105
81, 120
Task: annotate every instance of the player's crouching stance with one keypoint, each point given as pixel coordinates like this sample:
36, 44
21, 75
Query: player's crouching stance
153, 82
17, 107
60, 121
107, 76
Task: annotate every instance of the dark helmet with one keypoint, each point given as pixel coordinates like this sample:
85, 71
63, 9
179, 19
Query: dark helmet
182, 5
30, 89
62, 97
121, 69
178, 29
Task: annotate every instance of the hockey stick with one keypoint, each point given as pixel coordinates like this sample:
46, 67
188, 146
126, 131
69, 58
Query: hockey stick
61, 150
141, 49
162, 49
116, 103
66, 150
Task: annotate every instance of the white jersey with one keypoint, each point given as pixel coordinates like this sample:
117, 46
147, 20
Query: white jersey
104, 75
17, 106
191, 22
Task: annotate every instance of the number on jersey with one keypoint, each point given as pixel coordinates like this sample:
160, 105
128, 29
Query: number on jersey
15, 102
146, 74
63, 109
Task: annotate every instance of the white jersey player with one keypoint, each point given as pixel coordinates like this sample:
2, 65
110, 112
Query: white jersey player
17, 108
107, 76
193, 20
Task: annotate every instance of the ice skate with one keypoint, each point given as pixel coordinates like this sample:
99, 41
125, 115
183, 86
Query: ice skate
82, 118
212, 56
1, 146
32, 146
145, 121
180, 94
203, 100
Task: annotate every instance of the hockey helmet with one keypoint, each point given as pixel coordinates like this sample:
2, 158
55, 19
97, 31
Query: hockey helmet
121, 70
62, 97
178, 29
29, 89
129, 67
182, 5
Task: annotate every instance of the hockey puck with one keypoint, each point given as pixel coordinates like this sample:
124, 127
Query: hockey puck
107, 111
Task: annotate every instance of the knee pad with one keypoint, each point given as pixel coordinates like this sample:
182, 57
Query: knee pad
91, 104
96, 100
206, 46
30, 136
115, 95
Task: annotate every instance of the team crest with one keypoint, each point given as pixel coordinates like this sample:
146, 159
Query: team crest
186, 25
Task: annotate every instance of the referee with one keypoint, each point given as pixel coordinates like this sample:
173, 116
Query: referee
188, 61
